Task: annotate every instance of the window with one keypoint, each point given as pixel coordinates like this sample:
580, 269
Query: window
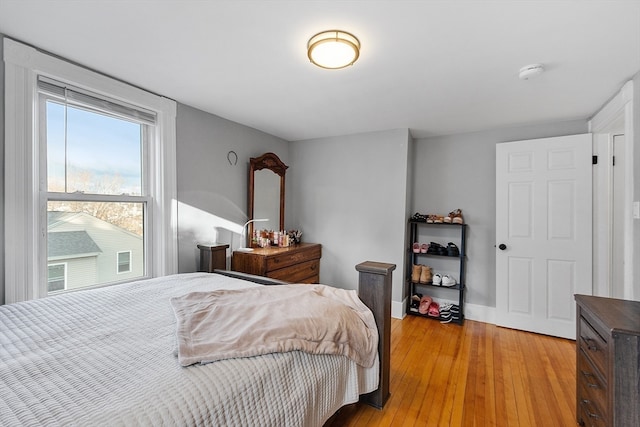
59, 178
57, 278
124, 262
96, 153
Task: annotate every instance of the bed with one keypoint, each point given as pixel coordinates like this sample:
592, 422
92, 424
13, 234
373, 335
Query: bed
108, 356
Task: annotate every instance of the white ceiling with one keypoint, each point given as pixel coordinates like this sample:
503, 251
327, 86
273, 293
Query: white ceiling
435, 67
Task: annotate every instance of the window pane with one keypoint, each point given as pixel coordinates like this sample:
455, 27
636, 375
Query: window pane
124, 262
90, 238
97, 154
56, 278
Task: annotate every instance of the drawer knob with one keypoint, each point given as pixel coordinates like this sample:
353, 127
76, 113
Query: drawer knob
585, 402
590, 343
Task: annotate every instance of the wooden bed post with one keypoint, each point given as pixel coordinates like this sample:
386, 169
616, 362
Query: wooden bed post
374, 289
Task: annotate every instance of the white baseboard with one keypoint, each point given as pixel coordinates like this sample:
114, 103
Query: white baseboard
479, 313
398, 309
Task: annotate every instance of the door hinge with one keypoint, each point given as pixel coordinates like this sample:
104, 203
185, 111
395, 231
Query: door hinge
613, 160
594, 160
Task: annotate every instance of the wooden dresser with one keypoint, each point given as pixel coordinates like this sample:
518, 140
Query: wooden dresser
608, 362
295, 264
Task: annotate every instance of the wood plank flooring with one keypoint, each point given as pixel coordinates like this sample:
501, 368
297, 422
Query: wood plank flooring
477, 374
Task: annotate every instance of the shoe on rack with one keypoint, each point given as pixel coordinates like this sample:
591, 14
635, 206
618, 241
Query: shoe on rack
416, 248
452, 249
430, 219
434, 248
449, 218
448, 281
426, 275
418, 217
437, 279
439, 219
416, 270
424, 248
425, 302
415, 302
457, 217
434, 309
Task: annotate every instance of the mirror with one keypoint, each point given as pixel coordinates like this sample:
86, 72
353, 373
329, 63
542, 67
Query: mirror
266, 192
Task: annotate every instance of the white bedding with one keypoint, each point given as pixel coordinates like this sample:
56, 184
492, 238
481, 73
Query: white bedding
108, 357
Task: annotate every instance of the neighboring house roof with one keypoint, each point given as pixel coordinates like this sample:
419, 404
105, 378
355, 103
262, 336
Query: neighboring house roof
68, 243
55, 218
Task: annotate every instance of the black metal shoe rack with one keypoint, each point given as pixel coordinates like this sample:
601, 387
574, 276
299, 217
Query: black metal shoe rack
423, 258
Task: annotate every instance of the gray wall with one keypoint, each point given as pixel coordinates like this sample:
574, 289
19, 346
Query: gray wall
212, 192
349, 194
458, 171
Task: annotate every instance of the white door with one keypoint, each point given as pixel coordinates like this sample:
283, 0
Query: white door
543, 232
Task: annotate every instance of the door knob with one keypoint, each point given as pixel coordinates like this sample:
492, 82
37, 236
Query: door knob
502, 246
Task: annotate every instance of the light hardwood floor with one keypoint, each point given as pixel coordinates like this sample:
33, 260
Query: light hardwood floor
477, 374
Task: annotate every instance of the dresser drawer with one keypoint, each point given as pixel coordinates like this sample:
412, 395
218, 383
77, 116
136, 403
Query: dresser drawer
594, 346
286, 259
305, 272
587, 418
592, 390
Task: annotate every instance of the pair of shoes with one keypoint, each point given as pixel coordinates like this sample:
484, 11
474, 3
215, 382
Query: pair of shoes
446, 280
421, 274
445, 313
454, 217
415, 302
425, 303
452, 249
419, 217
420, 248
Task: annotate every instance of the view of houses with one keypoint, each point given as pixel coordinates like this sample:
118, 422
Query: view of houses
85, 251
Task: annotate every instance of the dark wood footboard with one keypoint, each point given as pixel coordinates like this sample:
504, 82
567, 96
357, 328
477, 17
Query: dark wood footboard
374, 289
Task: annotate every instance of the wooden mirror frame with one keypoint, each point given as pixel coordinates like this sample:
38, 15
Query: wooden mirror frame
272, 162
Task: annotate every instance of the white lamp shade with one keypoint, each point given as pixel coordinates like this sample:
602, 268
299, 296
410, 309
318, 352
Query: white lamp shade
333, 49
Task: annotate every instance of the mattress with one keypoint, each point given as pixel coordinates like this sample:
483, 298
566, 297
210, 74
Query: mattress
107, 356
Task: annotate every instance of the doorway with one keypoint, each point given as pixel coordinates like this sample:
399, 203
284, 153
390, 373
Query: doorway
613, 196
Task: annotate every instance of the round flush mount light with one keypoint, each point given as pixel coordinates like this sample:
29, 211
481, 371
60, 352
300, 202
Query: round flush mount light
530, 71
333, 49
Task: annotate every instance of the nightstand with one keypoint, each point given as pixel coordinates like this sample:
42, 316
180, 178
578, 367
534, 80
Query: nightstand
213, 256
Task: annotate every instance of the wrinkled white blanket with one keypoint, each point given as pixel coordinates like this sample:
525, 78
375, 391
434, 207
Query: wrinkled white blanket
316, 319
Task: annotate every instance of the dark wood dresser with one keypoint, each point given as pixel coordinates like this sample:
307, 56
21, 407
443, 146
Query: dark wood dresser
295, 264
608, 362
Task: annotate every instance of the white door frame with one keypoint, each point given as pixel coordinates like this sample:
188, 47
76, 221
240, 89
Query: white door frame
616, 116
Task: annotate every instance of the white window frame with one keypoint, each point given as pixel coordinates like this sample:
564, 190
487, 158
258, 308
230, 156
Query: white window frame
25, 187
118, 262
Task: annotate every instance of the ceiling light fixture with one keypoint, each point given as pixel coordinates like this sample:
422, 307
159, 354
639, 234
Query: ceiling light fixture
530, 71
333, 49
